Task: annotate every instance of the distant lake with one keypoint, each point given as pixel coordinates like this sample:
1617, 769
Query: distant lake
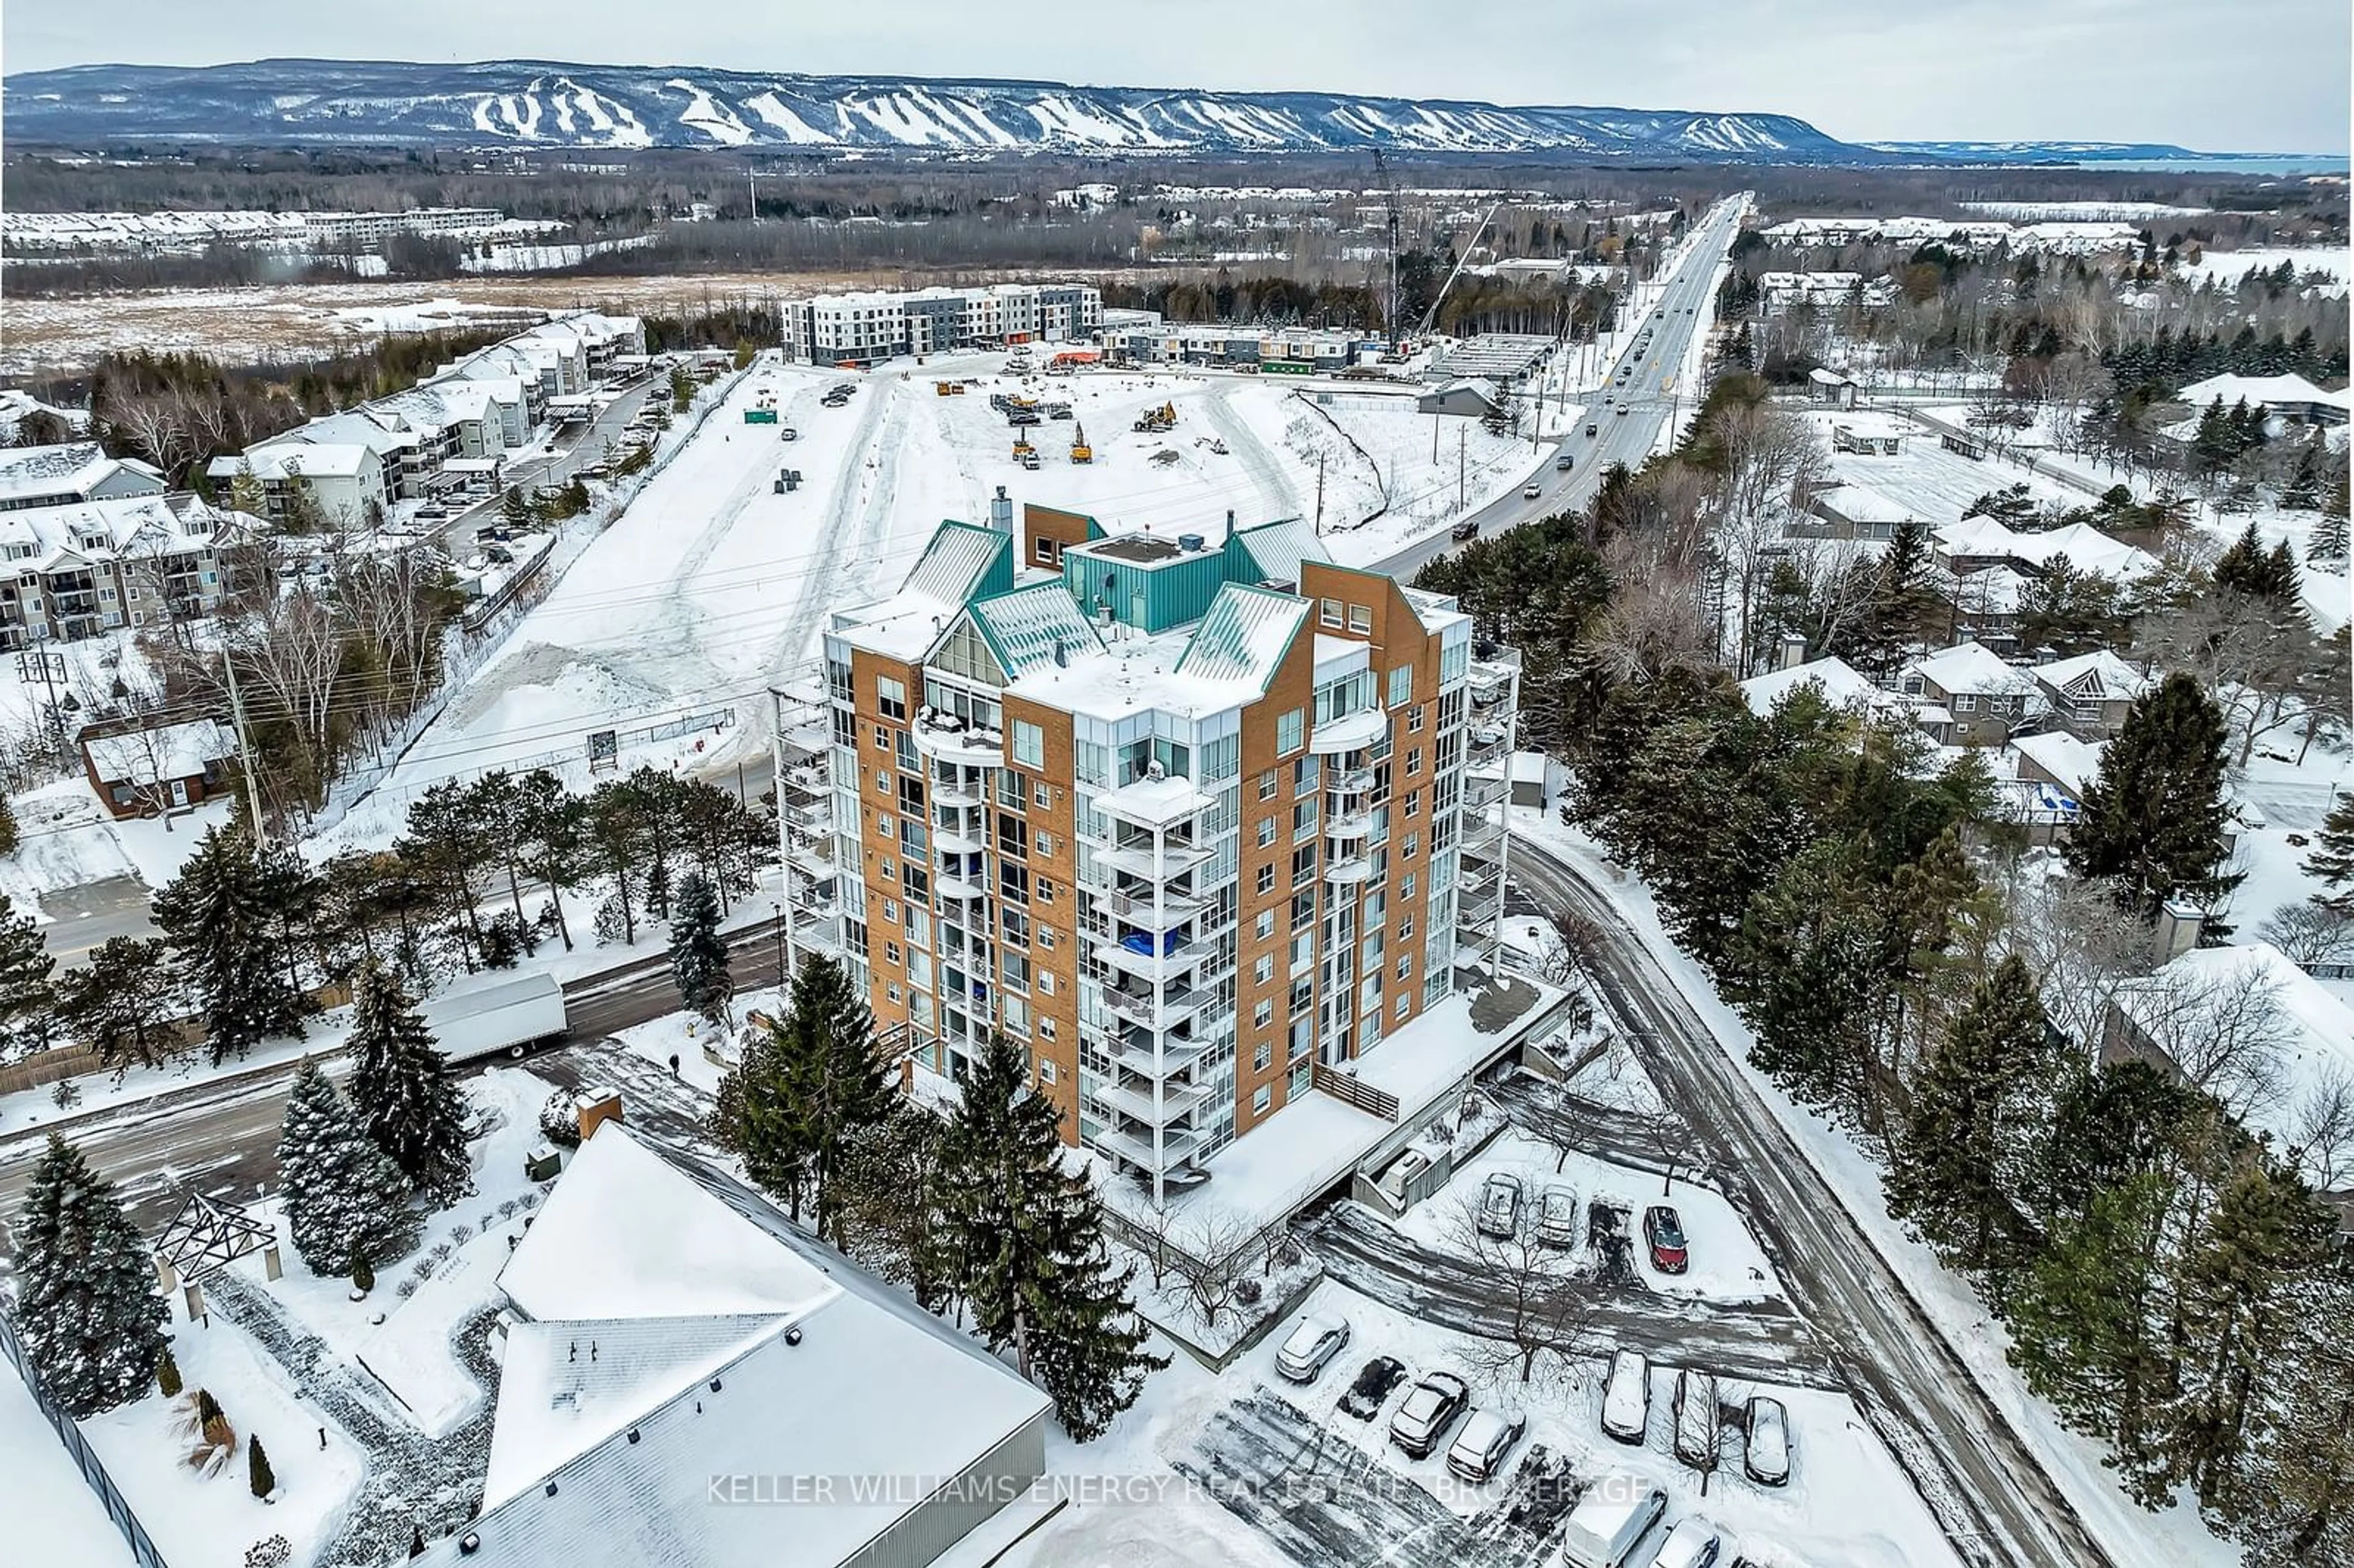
2225, 162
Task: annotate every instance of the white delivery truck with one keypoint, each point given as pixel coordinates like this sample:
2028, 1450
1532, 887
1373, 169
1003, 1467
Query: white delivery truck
1610, 1521
509, 1015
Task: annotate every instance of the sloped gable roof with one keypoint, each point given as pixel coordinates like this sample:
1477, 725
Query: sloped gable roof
1245, 635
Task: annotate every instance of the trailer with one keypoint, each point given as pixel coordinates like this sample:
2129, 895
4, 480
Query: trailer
760, 415
510, 1017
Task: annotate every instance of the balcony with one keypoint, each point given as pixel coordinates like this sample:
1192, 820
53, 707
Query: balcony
1348, 780
946, 738
1345, 864
814, 855
1352, 827
813, 814
1177, 1100
1155, 914
799, 784
1488, 742
965, 840
1351, 732
1154, 801
1481, 790
1171, 859
1137, 1149
958, 794
1173, 958
962, 888
1136, 1005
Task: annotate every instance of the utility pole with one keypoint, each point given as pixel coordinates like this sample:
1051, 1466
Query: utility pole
52, 665
1461, 469
1319, 525
244, 749
752, 180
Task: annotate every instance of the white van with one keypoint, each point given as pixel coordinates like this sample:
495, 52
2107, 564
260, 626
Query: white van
1611, 1522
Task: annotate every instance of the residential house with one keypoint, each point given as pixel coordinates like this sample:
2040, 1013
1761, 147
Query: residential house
144, 771
1836, 387
1970, 696
1870, 435
2046, 787
2090, 694
1470, 397
73, 471
1847, 510
686, 1379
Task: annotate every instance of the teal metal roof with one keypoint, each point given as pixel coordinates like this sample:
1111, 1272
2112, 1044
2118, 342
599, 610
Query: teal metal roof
1245, 635
963, 562
1271, 553
1022, 627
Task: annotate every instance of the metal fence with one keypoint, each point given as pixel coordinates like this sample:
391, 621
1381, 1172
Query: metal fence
85, 1458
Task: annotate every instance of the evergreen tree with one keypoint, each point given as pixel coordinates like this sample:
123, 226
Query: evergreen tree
27, 1006
550, 822
2151, 821
1974, 1116
167, 1376
2266, 1237
1031, 1260
219, 915
120, 1004
2327, 542
698, 954
838, 1084
259, 1479
87, 1308
754, 1118
8, 835
2295, 1505
2303, 491
889, 1210
1899, 605
403, 1093
2241, 567
2332, 860
346, 1202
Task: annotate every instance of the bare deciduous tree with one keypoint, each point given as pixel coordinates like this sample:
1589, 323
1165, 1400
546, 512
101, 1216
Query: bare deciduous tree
1547, 1309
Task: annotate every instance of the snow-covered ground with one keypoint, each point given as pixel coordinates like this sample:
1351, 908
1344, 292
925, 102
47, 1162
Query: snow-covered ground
53, 1516
2231, 266
67, 839
2174, 1539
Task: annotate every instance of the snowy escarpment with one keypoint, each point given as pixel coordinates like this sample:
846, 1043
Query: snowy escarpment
543, 103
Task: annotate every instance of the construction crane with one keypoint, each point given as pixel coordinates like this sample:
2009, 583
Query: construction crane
1431, 314
1390, 195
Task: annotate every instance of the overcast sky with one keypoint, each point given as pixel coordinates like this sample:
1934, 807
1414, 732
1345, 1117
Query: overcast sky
2216, 75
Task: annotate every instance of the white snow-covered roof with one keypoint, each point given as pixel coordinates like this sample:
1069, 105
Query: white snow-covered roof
71, 467
625, 1235
1861, 504
310, 461
2087, 549
1528, 766
1841, 683
160, 754
2099, 676
615, 1421
1245, 635
2261, 391
1973, 668
2070, 763
1824, 375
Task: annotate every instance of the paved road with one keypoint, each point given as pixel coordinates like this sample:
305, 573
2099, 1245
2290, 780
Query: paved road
222, 1134
82, 918
1986, 1490
1650, 395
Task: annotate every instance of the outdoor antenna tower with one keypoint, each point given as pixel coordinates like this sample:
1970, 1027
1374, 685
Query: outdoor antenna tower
1390, 323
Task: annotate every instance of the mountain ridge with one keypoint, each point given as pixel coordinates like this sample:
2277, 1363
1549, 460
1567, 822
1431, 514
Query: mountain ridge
556, 104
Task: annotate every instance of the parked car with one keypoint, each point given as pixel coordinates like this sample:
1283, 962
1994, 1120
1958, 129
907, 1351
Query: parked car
1532, 491
1311, 1347
1563, 463
1766, 1455
1500, 1205
1376, 1380
1663, 1233
1626, 1397
1692, 1543
1480, 1448
1696, 1417
1466, 529
1610, 1522
1557, 1216
1434, 1405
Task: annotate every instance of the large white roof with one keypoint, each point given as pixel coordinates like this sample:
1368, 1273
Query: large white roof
1971, 667
1842, 684
2258, 390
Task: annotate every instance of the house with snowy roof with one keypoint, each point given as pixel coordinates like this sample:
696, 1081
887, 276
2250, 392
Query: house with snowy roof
2289, 398
342, 479
70, 471
685, 1379
141, 769
2090, 694
1970, 695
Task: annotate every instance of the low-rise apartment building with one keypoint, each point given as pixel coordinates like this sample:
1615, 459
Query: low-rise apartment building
74, 571
68, 473
876, 325
1196, 819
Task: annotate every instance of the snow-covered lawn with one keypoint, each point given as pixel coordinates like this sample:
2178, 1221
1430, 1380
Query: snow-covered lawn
67, 839
2228, 267
208, 1522
2174, 1539
53, 1516
1726, 1263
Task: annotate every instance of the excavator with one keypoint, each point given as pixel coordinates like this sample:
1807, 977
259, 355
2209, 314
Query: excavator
1155, 421
1080, 451
1024, 453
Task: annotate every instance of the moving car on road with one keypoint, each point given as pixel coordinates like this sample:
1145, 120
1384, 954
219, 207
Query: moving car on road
1466, 529
1375, 1383
1480, 1448
1311, 1347
1421, 1423
1663, 1233
1563, 463
1593, 430
1500, 1206
1532, 491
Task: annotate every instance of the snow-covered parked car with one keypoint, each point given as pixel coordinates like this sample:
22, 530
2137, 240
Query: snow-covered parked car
1626, 1397
1766, 1452
1311, 1347
1500, 1206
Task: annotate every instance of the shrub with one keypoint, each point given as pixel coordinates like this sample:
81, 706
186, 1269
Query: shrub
363, 1272
258, 1475
460, 1235
274, 1552
1248, 1292
405, 1290
559, 1122
168, 1377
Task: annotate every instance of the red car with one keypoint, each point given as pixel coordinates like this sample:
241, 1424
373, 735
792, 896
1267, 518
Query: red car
1664, 1233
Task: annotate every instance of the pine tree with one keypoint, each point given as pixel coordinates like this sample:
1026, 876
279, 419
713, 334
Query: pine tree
2268, 1235
698, 954
403, 1093
346, 1202
87, 1308
1974, 1116
258, 1478
2327, 542
753, 1118
2241, 567
27, 1006
2296, 1505
167, 1376
120, 1004
8, 835
2151, 821
1031, 1261
2332, 860
219, 917
2303, 491
839, 1086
